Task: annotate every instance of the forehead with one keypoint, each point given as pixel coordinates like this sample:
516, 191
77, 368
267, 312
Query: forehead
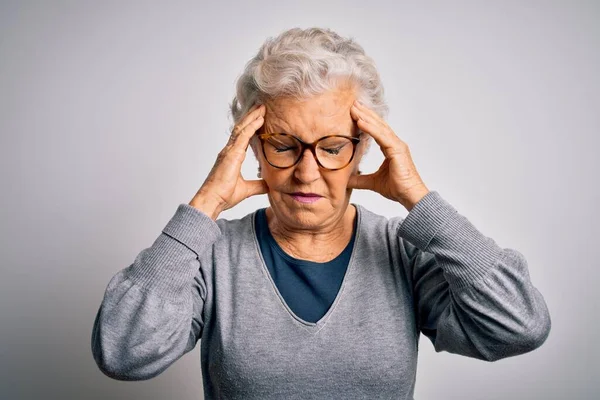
309, 119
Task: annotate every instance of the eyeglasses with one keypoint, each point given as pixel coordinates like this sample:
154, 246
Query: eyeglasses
332, 152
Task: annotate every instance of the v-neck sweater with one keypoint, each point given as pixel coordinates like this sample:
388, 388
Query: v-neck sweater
307, 287
432, 272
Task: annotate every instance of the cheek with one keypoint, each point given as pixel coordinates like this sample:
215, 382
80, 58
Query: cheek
338, 185
276, 179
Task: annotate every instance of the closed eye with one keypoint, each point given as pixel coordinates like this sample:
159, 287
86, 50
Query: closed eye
283, 149
333, 150
281, 146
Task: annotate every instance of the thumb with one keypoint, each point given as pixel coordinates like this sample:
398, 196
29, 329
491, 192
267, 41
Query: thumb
258, 186
361, 181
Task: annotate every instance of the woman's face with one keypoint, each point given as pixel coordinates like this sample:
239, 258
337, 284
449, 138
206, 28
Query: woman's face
309, 120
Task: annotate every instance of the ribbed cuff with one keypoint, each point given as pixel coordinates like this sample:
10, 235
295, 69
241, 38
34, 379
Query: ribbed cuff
169, 265
464, 253
193, 228
425, 219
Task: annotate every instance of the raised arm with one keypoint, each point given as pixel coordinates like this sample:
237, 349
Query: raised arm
152, 311
471, 296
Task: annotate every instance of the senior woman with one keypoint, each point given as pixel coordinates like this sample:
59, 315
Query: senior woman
314, 297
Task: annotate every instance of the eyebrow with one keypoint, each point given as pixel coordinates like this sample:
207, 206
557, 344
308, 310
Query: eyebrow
329, 134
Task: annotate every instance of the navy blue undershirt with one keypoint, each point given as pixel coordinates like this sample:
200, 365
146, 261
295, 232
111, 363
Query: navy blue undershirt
308, 288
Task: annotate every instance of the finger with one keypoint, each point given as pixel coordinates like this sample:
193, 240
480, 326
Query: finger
257, 187
256, 111
364, 109
371, 115
242, 140
361, 181
368, 125
235, 150
248, 119
387, 140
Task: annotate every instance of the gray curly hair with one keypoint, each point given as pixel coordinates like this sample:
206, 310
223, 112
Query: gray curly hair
304, 63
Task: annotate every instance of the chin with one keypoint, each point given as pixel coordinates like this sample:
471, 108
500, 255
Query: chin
304, 219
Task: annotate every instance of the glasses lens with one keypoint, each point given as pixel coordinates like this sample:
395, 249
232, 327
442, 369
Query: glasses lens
281, 150
335, 152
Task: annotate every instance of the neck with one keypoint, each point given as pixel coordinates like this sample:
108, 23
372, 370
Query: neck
320, 245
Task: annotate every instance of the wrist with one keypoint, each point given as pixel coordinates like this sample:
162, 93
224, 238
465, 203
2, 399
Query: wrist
208, 205
414, 197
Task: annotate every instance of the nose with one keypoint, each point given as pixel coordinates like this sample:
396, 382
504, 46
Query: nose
307, 169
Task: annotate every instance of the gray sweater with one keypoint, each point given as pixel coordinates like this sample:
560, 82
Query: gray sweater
432, 273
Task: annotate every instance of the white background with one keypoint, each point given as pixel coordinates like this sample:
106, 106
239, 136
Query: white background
112, 113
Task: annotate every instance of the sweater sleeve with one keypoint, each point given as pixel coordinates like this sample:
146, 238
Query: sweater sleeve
471, 296
152, 311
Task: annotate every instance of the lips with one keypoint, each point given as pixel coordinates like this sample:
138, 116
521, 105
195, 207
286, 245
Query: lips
305, 198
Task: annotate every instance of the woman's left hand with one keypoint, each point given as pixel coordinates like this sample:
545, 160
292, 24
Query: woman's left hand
397, 177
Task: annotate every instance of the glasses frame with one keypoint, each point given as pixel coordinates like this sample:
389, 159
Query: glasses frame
312, 146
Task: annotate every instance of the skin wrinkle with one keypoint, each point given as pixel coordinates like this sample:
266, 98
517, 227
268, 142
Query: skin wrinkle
320, 231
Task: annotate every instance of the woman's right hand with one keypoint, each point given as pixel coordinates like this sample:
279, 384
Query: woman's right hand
225, 187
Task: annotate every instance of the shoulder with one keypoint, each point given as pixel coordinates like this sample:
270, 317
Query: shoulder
373, 221
381, 236
234, 239
232, 226
377, 228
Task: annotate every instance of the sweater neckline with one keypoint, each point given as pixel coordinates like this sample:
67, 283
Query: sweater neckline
311, 326
298, 261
